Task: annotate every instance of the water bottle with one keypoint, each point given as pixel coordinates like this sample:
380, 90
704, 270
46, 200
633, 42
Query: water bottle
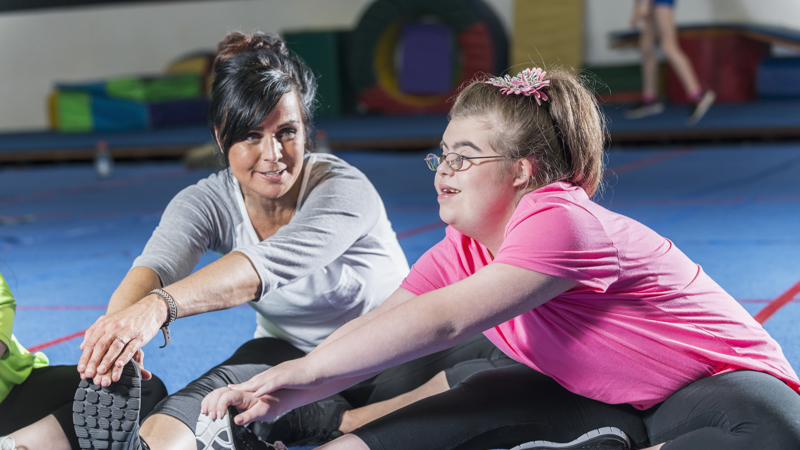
103, 161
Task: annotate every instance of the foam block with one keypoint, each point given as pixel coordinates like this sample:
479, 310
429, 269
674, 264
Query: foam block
779, 78
427, 59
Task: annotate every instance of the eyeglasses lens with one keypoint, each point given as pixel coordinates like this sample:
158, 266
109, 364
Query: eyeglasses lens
433, 161
454, 160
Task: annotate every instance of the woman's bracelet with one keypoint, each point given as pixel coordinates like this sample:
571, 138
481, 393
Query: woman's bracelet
173, 312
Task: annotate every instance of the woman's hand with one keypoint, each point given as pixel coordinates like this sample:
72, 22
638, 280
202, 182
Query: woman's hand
115, 338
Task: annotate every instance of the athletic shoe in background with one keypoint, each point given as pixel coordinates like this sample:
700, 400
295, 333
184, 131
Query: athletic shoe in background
644, 109
700, 107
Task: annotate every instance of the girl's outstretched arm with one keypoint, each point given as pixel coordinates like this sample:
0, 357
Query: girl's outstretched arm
417, 327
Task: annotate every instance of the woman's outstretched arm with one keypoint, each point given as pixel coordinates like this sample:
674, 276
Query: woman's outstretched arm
131, 323
417, 327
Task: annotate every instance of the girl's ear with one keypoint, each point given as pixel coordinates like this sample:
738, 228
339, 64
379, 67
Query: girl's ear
524, 171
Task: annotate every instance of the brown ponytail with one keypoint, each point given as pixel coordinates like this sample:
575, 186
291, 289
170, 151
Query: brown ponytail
564, 135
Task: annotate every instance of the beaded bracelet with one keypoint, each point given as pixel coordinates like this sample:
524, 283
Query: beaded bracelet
173, 312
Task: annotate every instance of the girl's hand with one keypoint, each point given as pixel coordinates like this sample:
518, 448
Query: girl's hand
216, 403
294, 374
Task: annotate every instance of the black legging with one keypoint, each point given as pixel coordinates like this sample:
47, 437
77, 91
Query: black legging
51, 390
258, 355
505, 407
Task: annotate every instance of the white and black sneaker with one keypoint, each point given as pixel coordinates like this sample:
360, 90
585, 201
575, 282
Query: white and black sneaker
213, 434
7, 443
606, 438
107, 418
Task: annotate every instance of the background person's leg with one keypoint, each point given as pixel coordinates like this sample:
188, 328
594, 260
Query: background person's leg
740, 410
647, 48
498, 408
664, 20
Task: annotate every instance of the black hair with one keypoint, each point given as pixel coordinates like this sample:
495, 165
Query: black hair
251, 74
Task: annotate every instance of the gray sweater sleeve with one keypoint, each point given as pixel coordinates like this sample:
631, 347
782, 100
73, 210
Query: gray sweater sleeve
195, 221
340, 207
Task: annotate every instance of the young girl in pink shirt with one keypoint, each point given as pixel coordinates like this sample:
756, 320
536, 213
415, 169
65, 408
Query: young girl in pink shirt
625, 342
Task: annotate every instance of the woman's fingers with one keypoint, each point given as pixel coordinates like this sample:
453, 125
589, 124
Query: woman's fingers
87, 347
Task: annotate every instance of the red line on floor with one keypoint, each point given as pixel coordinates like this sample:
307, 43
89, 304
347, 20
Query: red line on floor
644, 162
419, 230
59, 307
778, 303
36, 348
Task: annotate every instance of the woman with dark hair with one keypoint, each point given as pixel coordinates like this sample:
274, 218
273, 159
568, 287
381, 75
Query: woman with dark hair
624, 341
306, 241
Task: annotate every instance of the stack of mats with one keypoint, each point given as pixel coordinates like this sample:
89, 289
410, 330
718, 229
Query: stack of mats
133, 102
779, 78
323, 50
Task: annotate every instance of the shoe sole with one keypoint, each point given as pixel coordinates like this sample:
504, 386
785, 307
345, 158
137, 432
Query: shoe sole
702, 108
606, 438
107, 418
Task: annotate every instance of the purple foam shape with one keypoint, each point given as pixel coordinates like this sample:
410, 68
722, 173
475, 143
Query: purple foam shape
426, 66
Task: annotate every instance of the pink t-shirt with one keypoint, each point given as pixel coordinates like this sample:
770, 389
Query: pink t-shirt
644, 321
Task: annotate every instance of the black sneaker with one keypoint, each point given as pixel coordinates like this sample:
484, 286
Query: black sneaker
644, 109
606, 438
107, 418
314, 424
700, 107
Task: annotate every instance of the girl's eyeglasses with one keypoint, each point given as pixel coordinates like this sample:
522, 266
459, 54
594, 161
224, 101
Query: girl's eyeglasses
454, 160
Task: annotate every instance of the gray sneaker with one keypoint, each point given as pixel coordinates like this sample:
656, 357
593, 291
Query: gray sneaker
606, 438
107, 418
700, 107
644, 109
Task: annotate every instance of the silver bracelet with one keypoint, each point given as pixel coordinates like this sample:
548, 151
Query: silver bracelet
173, 312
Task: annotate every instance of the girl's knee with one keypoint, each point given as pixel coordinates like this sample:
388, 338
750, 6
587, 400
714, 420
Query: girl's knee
346, 442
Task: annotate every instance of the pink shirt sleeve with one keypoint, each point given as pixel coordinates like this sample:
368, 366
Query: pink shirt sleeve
562, 239
426, 273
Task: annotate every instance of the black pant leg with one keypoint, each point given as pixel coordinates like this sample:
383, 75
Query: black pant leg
733, 411
50, 390
252, 358
498, 408
45, 390
458, 362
